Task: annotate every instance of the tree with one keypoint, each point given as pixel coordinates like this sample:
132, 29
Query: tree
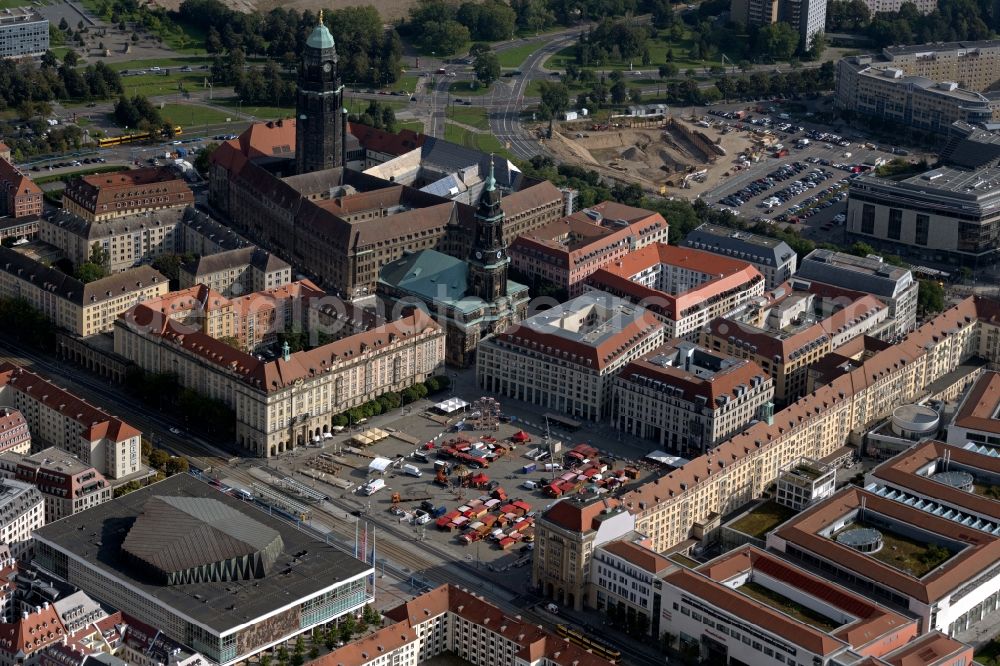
817, 46
347, 627
64, 24
71, 59
619, 92
487, 67
202, 159
930, 297
555, 99
667, 70
176, 465
371, 615
89, 272
777, 40
158, 458
861, 249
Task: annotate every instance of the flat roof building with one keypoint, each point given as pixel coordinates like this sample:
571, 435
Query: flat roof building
23, 32
227, 579
565, 358
892, 285
685, 288
67, 484
774, 258
688, 399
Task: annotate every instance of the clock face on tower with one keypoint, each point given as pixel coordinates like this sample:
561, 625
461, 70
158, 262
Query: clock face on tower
479, 255
499, 253
327, 66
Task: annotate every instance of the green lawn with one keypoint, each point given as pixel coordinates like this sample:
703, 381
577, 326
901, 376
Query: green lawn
513, 57
258, 112
989, 654
468, 88
469, 115
783, 604
415, 125
194, 115
906, 554
658, 49
763, 519
152, 84
407, 82
684, 560
485, 142
184, 61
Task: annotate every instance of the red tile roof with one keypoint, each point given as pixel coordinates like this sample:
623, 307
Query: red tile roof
578, 515
981, 408
97, 423
979, 551
380, 141
26, 635
642, 557
931, 649
722, 274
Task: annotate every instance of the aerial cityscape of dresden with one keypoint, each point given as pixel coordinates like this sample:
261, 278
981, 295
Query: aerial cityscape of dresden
500, 332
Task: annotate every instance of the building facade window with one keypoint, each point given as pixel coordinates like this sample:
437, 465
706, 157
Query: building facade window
922, 229
895, 223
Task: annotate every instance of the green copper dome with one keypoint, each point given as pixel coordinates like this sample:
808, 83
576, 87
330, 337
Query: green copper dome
320, 37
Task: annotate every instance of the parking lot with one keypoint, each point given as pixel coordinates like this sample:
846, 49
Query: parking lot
484, 513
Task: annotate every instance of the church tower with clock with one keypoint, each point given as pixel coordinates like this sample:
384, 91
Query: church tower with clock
488, 259
321, 119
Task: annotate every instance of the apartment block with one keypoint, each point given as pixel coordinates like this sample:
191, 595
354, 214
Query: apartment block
19, 196
808, 17
21, 513
793, 334
14, 433
627, 576
82, 309
892, 285
688, 399
450, 619
862, 393
565, 252
684, 288
237, 272
56, 417
23, 32
67, 485
566, 358
773, 258
108, 195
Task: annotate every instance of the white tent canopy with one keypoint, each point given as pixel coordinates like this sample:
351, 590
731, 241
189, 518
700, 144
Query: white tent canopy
379, 465
451, 405
665, 458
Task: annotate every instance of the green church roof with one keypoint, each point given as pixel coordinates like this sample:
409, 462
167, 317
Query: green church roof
320, 37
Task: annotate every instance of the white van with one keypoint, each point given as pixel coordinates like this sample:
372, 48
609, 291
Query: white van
373, 486
529, 485
412, 470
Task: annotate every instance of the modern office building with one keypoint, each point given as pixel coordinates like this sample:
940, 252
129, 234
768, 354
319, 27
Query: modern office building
82, 309
23, 32
972, 65
565, 252
280, 402
951, 212
890, 284
208, 570
688, 399
626, 576
805, 482
19, 196
67, 485
565, 358
949, 581
684, 288
21, 512
869, 86
236, 272
977, 420
105, 196
56, 417
773, 258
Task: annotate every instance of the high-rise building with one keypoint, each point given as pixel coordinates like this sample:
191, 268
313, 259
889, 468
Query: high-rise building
23, 32
319, 105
